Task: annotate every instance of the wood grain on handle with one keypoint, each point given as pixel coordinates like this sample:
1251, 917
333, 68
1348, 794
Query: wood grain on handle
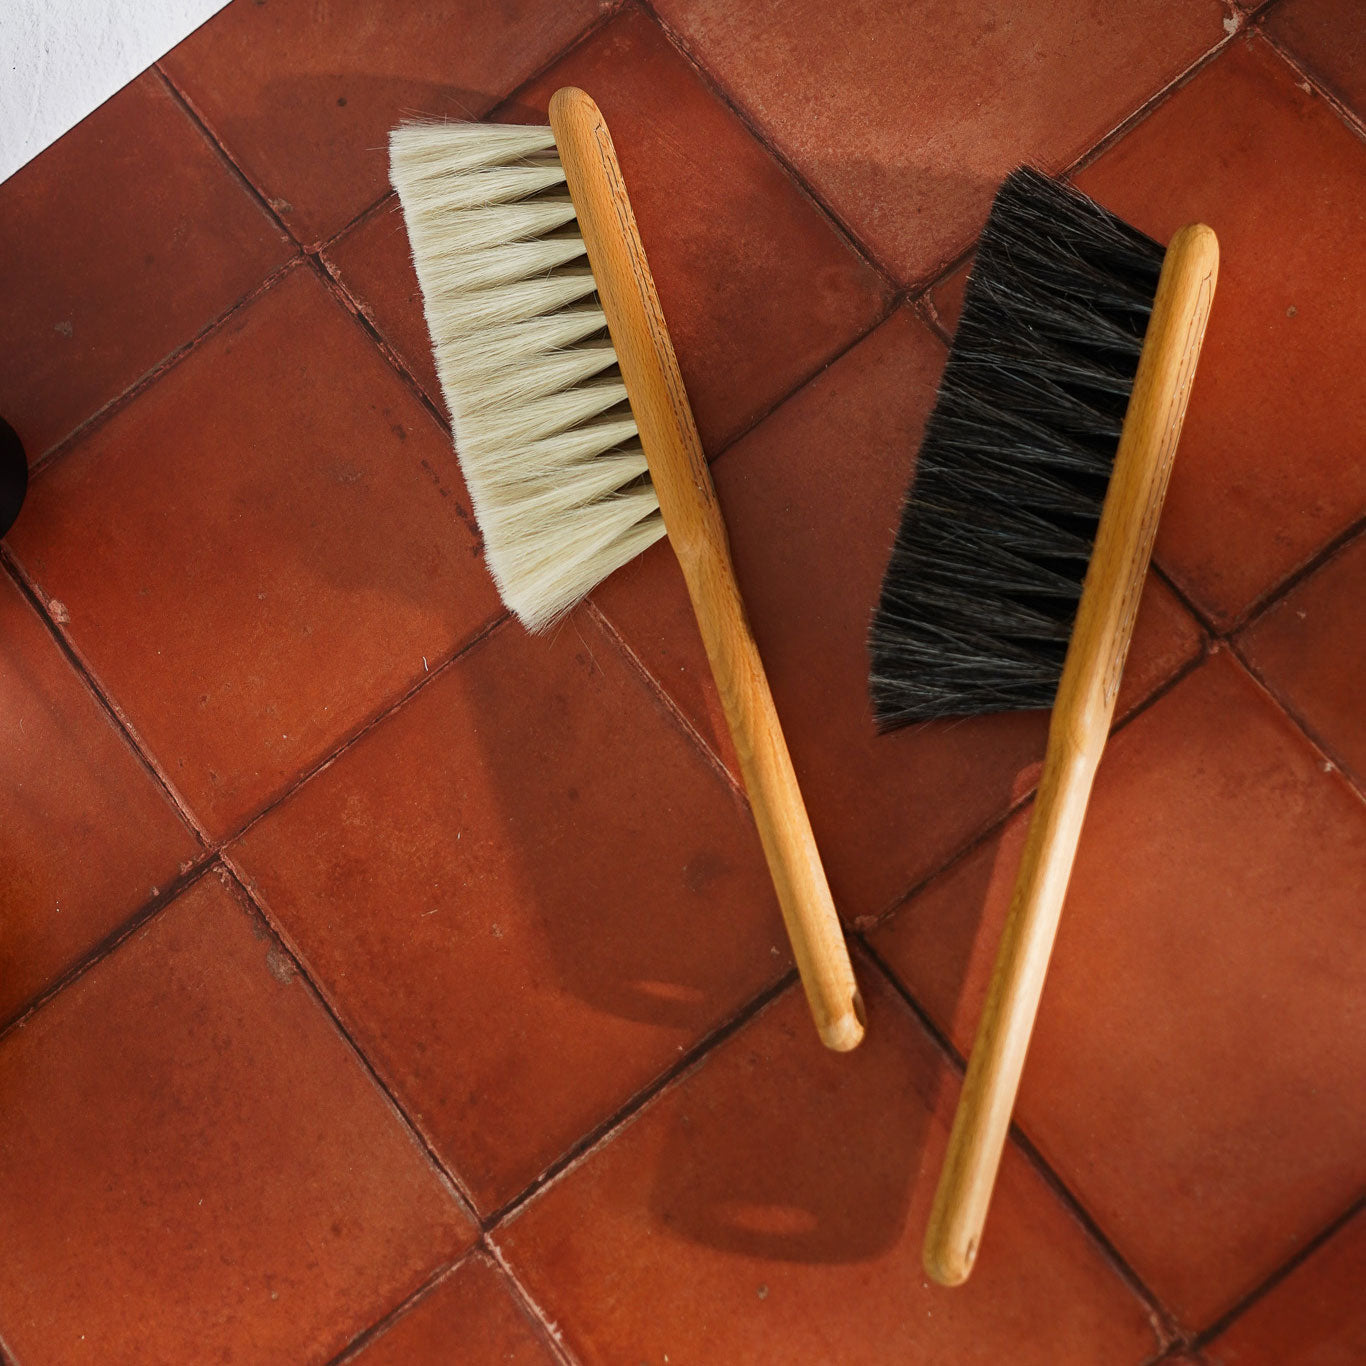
692, 517
1076, 736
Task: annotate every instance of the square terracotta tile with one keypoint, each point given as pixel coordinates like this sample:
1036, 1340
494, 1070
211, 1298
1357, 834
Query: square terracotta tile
1327, 38
527, 894
195, 1167
86, 835
905, 119
261, 551
812, 498
121, 242
304, 96
758, 287
1315, 1317
1308, 649
771, 1206
472, 1316
1269, 471
1194, 1073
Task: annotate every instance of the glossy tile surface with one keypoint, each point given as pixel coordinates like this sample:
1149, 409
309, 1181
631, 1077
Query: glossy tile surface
770, 1207
260, 555
120, 244
195, 1167
527, 894
1192, 1073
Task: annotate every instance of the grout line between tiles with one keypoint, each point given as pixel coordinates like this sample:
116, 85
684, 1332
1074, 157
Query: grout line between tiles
658, 691
1126, 125
1160, 1319
391, 1316
98, 952
923, 306
1326, 759
311, 253
230, 162
547, 1329
170, 361
103, 699
531, 1312
893, 302
1293, 580
355, 309
609, 1128
867, 924
259, 907
1201, 1340
1356, 122
211, 849
389, 709
722, 94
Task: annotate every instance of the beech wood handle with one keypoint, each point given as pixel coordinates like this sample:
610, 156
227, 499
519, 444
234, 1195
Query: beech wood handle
692, 516
1076, 736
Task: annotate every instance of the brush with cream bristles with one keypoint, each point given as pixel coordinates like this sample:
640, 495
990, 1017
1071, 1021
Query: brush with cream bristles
578, 444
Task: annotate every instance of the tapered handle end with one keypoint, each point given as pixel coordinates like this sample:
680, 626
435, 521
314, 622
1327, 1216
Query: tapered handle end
949, 1260
844, 1031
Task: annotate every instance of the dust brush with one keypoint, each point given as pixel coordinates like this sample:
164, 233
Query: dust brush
1020, 559
578, 443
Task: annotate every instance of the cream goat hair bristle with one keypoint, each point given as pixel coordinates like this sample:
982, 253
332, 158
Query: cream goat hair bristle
543, 430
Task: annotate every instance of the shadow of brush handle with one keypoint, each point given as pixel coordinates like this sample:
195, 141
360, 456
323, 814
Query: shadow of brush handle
1081, 723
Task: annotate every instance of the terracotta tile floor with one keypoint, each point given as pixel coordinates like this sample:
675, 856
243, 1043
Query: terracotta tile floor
379, 984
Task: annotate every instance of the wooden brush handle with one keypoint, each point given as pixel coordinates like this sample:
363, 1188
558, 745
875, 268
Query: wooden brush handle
1076, 736
692, 517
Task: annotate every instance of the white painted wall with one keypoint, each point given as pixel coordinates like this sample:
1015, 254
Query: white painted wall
59, 59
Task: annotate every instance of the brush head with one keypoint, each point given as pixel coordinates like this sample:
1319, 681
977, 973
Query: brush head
986, 572
543, 428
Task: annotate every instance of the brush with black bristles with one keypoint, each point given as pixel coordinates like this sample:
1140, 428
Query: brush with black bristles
1017, 569
578, 444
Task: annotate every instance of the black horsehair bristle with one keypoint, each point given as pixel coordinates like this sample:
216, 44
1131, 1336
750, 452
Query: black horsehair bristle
996, 533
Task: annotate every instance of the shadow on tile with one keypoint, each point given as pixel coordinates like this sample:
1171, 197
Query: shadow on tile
837, 1189
603, 812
